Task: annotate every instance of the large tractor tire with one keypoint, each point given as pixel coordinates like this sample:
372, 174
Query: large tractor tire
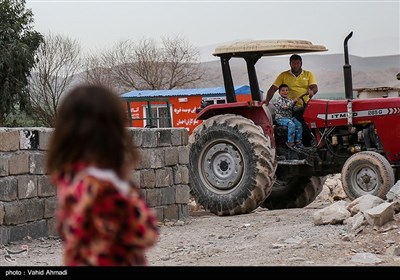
367, 173
295, 192
232, 165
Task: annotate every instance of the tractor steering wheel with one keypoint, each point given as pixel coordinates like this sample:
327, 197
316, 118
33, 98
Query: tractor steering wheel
304, 102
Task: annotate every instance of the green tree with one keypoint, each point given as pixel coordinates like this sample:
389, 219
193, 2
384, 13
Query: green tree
18, 44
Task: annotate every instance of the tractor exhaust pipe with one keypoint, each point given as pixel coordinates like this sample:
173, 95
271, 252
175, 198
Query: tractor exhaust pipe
348, 82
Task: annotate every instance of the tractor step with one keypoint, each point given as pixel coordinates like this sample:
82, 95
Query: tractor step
292, 162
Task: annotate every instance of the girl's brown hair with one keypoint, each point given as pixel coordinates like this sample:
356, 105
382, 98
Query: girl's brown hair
90, 128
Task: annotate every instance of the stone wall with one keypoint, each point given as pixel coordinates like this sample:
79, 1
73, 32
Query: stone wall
28, 199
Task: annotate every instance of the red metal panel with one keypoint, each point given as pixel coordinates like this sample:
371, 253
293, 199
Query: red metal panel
184, 111
384, 113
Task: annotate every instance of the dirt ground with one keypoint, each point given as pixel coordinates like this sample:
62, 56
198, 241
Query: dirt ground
261, 238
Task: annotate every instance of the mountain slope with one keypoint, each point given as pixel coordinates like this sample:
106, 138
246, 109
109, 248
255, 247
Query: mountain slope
328, 69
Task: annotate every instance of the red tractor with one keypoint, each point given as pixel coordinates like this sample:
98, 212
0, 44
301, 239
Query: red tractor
239, 159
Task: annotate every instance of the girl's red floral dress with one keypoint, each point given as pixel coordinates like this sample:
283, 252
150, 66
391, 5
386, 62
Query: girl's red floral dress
102, 220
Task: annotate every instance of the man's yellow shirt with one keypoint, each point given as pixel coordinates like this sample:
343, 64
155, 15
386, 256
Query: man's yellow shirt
297, 85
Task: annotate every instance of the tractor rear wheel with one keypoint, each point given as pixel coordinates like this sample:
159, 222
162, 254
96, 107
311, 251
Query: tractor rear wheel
232, 165
294, 192
367, 173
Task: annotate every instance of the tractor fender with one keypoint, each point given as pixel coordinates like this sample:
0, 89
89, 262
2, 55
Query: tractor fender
255, 111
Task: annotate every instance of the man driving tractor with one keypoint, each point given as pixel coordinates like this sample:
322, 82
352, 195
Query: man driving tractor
302, 87
299, 81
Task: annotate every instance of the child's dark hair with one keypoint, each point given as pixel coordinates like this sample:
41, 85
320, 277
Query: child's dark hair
283, 86
90, 128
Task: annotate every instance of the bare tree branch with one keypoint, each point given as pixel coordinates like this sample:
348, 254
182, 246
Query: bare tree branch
181, 62
174, 63
98, 71
147, 65
58, 61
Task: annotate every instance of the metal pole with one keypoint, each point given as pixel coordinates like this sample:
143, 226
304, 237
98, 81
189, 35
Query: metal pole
228, 82
150, 114
128, 103
169, 114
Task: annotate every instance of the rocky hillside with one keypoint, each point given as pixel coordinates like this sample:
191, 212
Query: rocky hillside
328, 69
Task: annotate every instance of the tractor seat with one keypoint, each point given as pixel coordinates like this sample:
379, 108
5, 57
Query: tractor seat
280, 131
270, 112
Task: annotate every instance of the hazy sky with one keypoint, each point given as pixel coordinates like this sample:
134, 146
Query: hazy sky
100, 24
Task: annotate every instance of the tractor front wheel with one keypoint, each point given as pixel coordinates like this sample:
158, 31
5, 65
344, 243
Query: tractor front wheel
367, 173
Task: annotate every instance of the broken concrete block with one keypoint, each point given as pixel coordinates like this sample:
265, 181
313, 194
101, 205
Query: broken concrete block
379, 215
396, 206
333, 214
363, 203
366, 258
394, 192
356, 223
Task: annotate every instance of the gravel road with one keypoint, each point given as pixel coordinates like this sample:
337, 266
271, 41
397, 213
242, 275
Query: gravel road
261, 238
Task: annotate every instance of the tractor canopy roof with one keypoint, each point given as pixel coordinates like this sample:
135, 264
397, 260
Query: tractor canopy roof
267, 48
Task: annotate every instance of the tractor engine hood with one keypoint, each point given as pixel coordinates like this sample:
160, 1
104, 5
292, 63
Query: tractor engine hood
327, 113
